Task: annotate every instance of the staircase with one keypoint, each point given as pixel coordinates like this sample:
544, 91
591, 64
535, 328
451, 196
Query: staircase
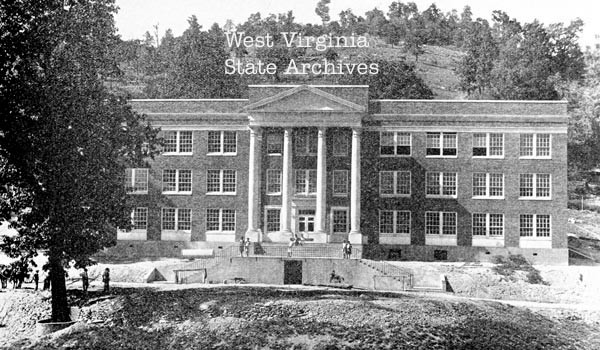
411, 282
306, 250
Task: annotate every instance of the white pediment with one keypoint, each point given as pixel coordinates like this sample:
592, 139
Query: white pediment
304, 99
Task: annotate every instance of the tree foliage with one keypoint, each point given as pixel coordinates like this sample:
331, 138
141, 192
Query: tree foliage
64, 140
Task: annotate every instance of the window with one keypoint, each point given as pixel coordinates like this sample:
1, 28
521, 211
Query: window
339, 220
534, 186
306, 182
176, 219
274, 181
394, 183
340, 144
306, 143
488, 145
395, 143
178, 142
340, 183
437, 223
272, 220
275, 144
440, 184
220, 220
222, 142
488, 185
488, 224
394, 222
177, 181
535, 146
441, 144
136, 180
534, 225
139, 218
220, 181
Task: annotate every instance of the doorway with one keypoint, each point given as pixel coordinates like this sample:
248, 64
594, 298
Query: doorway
292, 272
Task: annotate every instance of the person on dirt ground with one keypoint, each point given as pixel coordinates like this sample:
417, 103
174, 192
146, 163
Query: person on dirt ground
242, 245
36, 279
290, 245
3, 276
247, 247
106, 280
85, 280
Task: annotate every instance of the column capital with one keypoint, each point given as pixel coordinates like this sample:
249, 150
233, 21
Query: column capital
356, 131
256, 130
322, 129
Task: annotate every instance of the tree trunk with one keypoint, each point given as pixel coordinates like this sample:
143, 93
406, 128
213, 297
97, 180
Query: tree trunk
60, 307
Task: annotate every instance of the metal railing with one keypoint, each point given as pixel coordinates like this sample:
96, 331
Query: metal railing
389, 270
306, 251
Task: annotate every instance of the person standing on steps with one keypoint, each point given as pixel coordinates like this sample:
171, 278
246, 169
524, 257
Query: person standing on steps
290, 245
348, 250
345, 249
242, 247
247, 247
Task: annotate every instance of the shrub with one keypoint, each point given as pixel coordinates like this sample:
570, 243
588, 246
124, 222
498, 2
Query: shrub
507, 266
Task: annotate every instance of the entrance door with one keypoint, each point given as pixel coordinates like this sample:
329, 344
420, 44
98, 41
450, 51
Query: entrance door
292, 272
306, 222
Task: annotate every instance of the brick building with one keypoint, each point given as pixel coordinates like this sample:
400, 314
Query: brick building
413, 179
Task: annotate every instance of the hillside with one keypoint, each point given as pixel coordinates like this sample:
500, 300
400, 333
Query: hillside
299, 318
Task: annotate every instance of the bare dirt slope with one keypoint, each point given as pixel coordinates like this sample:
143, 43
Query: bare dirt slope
247, 317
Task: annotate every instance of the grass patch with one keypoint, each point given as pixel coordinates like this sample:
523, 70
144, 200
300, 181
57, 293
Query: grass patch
507, 266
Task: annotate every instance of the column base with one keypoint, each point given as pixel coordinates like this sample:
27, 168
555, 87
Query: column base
279, 236
355, 237
316, 237
254, 235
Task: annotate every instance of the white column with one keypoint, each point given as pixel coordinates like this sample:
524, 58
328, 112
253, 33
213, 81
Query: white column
321, 207
254, 159
286, 179
355, 236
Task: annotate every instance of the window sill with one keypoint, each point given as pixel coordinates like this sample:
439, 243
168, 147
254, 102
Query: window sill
138, 193
222, 154
394, 195
220, 232
178, 154
437, 157
535, 198
221, 193
530, 157
396, 155
487, 197
488, 157
431, 196
177, 193
274, 154
340, 195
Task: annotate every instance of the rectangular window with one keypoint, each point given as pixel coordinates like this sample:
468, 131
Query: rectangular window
395, 143
488, 224
274, 181
440, 184
340, 183
487, 185
176, 219
534, 225
274, 143
178, 142
535, 186
535, 146
220, 220
177, 181
394, 183
136, 180
441, 144
489, 145
394, 222
222, 142
340, 220
220, 181
272, 220
139, 218
306, 182
340, 144
305, 142
437, 223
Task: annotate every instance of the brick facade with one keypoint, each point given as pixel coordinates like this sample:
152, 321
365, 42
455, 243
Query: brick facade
345, 116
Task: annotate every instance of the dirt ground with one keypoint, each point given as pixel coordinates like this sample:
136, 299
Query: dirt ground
168, 316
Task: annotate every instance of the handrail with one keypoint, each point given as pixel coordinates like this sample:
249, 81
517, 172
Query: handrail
590, 232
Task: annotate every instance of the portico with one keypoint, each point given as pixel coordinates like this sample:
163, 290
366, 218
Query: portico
289, 171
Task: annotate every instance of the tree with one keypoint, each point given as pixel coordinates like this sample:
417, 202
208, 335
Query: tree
475, 69
376, 22
395, 80
64, 140
322, 10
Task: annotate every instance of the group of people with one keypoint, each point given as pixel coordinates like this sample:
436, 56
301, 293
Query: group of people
294, 241
17, 273
245, 247
346, 249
